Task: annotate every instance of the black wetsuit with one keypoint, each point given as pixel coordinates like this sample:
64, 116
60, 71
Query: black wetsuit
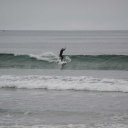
61, 52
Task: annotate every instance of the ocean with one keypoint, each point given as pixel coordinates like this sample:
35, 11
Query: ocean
89, 91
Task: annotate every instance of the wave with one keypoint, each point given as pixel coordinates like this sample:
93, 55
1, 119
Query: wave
74, 62
81, 83
100, 125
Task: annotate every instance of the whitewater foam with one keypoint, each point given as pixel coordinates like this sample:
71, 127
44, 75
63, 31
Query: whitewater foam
48, 56
107, 125
80, 83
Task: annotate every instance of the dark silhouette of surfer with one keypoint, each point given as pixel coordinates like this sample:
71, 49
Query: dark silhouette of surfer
61, 52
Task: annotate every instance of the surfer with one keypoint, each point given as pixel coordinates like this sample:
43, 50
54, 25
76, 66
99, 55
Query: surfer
61, 52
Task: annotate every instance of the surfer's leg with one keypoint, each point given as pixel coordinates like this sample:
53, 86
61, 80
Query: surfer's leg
61, 58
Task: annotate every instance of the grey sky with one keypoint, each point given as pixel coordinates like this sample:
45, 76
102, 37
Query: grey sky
64, 14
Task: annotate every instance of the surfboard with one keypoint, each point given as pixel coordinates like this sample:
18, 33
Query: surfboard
62, 62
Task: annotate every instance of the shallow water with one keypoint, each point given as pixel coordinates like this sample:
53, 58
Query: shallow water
46, 107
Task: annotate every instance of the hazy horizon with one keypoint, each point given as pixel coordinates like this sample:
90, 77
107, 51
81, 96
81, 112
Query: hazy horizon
64, 15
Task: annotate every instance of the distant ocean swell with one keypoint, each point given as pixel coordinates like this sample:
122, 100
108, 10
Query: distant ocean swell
81, 83
74, 62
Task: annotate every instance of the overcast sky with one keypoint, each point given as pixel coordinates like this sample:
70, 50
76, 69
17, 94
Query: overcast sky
64, 14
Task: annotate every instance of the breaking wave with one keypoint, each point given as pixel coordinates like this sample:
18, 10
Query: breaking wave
81, 83
74, 62
102, 125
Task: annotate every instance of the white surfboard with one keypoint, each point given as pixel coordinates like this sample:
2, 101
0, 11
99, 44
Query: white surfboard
62, 62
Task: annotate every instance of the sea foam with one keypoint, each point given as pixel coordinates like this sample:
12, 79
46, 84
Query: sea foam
107, 125
81, 83
48, 56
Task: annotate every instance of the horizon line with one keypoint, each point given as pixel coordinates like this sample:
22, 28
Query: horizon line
61, 30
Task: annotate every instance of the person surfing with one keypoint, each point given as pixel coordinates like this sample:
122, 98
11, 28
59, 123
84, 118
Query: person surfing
61, 52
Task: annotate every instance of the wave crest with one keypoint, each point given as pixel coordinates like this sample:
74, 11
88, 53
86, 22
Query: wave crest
49, 57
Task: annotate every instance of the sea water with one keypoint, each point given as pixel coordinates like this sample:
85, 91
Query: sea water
90, 91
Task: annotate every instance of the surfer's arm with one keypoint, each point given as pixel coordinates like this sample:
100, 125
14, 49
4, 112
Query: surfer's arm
65, 48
